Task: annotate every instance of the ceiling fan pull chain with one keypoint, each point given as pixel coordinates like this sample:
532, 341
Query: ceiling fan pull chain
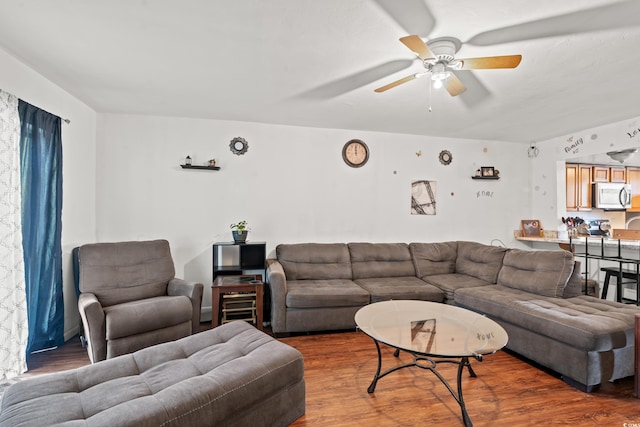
430, 97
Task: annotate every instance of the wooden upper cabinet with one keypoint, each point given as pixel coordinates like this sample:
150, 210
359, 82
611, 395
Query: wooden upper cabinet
633, 178
572, 192
600, 173
617, 174
579, 178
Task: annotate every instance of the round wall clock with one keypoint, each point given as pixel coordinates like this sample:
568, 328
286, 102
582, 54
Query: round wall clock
238, 146
355, 153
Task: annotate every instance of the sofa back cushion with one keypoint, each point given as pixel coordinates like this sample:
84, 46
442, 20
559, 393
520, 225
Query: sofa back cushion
541, 272
125, 271
381, 260
313, 261
434, 258
575, 286
479, 261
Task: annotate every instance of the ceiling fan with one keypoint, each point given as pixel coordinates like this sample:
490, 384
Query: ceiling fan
438, 59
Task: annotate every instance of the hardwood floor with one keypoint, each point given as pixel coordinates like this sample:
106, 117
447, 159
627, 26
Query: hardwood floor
507, 391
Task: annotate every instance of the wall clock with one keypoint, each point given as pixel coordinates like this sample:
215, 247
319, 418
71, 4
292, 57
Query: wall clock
355, 153
239, 146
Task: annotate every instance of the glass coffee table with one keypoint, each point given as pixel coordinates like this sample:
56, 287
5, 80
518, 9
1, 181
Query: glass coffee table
433, 333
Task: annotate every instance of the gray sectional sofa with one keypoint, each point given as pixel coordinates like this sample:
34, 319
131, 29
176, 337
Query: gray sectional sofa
536, 296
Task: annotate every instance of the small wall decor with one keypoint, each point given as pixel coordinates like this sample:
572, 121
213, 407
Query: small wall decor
423, 197
445, 157
187, 161
487, 172
239, 146
530, 228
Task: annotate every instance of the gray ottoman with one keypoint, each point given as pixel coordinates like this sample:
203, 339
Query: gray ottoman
233, 375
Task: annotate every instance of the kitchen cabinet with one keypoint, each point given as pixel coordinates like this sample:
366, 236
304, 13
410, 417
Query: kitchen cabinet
618, 174
600, 173
633, 178
578, 179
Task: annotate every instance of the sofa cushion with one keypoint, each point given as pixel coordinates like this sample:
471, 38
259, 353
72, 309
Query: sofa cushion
480, 261
325, 293
434, 258
381, 260
137, 317
449, 283
540, 272
125, 271
409, 287
575, 286
308, 261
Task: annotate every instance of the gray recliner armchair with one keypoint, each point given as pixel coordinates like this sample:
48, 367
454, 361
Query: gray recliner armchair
129, 298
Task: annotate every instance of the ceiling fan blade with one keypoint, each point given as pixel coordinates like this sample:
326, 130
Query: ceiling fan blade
413, 16
356, 80
397, 83
509, 61
601, 18
453, 85
419, 47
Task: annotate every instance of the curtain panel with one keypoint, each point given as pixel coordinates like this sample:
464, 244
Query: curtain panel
13, 306
41, 179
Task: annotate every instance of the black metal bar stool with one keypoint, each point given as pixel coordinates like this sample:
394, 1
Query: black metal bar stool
619, 274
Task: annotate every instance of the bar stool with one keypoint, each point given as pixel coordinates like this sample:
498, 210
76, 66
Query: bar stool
619, 274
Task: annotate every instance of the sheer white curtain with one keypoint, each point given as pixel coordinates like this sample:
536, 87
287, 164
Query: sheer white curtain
13, 306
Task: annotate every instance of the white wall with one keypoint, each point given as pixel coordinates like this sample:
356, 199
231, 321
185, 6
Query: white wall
79, 142
293, 186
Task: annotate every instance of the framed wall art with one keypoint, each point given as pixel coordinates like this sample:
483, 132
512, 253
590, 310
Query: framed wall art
530, 228
487, 171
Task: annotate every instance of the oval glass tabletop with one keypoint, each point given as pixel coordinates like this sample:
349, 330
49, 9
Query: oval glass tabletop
431, 328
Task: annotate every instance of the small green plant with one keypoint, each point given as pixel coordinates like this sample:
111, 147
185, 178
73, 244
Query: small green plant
240, 227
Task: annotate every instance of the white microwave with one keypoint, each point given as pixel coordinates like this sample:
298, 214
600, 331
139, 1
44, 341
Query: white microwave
611, 195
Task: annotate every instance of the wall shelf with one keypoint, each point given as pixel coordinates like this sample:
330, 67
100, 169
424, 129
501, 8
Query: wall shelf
486, 177
211, 168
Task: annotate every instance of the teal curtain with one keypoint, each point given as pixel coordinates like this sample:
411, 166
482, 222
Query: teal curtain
41, 179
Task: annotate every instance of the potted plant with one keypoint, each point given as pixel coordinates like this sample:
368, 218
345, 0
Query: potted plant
240, 231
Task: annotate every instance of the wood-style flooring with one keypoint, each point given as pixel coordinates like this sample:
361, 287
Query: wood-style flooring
507, 391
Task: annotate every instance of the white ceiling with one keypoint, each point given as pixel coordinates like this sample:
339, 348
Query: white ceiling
316, 62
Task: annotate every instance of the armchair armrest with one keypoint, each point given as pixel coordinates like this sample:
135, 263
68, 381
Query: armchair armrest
192, 290
93, 322
278, 284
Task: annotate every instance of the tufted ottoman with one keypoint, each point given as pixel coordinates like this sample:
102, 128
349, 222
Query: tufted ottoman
233, 375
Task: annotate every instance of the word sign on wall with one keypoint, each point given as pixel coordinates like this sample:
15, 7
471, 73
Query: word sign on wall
484, 194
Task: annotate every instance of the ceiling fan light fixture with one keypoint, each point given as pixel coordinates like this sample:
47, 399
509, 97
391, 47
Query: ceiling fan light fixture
622, 155
439, 72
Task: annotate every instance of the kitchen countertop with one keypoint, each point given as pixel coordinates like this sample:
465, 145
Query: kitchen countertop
582, 240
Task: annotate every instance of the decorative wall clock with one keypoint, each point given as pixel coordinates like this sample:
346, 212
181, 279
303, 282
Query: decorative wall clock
445, 157
355, 153
239, 146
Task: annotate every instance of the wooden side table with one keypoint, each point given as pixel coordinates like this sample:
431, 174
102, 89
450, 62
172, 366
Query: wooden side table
227, 284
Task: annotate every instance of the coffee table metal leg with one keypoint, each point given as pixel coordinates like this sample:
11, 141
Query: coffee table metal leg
372, 387
431, 366
465, 415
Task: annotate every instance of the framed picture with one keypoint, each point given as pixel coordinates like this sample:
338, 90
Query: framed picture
530, 228
487, 171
